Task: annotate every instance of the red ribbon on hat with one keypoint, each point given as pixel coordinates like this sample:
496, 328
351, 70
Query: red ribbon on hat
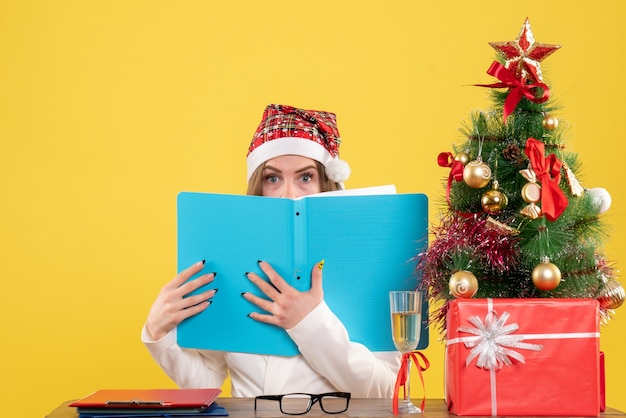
517, 88
548, 171
402, 377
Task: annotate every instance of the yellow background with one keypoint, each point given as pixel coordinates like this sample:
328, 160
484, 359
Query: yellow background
109, 108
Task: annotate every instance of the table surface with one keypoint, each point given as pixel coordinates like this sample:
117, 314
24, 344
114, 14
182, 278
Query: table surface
380, 408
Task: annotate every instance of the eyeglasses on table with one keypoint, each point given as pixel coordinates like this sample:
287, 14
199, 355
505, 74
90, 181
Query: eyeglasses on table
301, 403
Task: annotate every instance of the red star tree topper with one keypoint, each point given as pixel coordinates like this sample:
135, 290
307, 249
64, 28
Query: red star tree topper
523, 55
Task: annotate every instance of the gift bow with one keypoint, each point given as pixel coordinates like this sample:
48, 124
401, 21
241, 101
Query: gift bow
517, 88
494, 343
548, 172
402, 376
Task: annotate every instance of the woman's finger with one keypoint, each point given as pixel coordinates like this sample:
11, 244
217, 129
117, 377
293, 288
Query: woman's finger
316, 279
267, 288
195, 284
194, 300
264, 304
279, 283
186, 274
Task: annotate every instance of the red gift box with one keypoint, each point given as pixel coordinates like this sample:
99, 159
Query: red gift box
523, 357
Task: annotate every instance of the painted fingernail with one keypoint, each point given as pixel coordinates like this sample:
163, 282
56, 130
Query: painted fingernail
243, 294
203, 261
320, 265
214, 273
216, 290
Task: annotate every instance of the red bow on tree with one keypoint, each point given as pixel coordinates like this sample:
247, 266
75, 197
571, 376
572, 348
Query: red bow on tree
446, 159
517, 88
548, 172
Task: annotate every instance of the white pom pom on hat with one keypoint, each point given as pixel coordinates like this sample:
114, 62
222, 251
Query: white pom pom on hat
287, 130
338, 170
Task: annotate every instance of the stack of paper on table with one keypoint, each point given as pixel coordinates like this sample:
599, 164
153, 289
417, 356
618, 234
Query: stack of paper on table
123, 403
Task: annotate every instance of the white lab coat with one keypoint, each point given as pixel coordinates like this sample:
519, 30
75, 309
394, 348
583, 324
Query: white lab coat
328, 362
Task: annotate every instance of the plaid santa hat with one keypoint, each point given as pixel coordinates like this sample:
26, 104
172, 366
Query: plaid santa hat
286, 130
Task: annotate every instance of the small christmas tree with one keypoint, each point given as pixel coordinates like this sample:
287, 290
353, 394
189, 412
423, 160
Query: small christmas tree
517, 222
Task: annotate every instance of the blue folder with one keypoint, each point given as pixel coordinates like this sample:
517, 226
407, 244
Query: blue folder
369, 244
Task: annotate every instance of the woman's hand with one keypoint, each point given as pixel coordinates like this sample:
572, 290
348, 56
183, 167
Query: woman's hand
287, 306
171, 306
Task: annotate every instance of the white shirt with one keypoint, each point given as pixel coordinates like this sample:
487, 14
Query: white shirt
328, 362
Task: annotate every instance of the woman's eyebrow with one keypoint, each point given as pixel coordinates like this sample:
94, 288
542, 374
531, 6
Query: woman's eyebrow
269, 167
307, 168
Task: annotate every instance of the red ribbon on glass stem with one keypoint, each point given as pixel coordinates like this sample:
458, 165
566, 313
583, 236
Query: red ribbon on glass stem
403, 375
548, 172
517, 88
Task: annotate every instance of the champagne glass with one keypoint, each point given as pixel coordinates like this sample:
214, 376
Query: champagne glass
406, 324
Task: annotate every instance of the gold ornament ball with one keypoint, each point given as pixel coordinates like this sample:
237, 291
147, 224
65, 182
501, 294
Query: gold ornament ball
531, 192
477, 174
550, 123
462, 157
611, 295
494, 201
546, 276
463, 284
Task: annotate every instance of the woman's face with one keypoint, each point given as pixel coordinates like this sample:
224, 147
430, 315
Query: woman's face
290, 176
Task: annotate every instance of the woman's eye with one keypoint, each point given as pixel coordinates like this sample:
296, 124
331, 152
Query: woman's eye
271, 179
306, 178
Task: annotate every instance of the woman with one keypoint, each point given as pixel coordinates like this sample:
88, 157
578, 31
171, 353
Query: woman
293, 153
